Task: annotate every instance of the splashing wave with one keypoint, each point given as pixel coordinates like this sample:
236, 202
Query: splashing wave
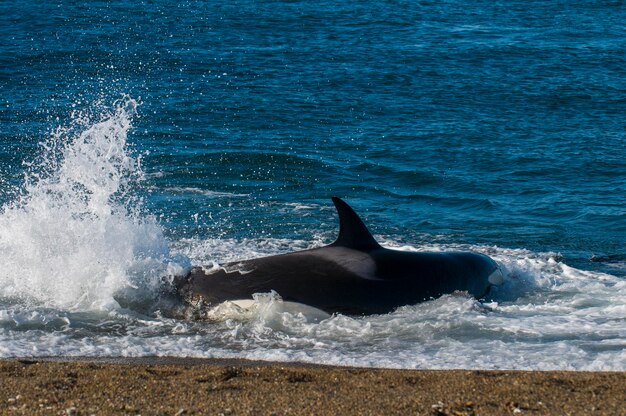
75, 239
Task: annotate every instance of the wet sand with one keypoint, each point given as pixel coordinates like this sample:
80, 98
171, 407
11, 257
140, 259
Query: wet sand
170, 386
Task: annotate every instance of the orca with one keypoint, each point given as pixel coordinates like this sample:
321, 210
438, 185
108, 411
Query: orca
353, 276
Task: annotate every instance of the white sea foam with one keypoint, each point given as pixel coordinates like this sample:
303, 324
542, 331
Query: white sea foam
74, 239
547, 315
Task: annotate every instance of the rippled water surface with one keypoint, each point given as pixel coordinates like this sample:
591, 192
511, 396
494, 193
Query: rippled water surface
139, 138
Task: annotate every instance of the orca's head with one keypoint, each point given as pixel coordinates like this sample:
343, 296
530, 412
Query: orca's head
484, 265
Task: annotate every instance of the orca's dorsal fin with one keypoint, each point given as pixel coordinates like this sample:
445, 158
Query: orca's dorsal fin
352, 231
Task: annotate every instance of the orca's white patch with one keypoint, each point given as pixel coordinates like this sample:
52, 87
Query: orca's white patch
496, 278
243, 303
245, 309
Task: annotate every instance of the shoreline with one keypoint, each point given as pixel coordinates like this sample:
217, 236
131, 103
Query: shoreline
176, 386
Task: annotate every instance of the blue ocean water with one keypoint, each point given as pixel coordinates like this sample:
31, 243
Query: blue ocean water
137, 138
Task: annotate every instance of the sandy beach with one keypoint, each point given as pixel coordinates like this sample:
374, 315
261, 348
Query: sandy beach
171, 386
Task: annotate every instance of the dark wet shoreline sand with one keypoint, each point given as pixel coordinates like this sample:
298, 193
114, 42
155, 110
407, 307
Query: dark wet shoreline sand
174, 386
